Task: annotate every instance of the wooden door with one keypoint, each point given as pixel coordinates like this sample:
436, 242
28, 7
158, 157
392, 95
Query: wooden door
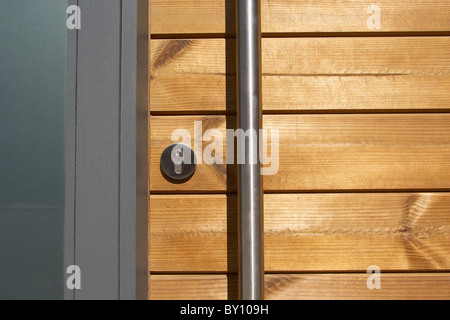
360, 93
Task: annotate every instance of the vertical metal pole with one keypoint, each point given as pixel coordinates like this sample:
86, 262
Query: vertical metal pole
250, 191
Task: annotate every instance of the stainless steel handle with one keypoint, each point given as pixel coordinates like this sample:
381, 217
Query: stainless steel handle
250, 191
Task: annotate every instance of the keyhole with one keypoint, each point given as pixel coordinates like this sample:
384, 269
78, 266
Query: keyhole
178, 167
178, 161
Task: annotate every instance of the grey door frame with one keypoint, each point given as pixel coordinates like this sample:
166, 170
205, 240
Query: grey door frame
106, 150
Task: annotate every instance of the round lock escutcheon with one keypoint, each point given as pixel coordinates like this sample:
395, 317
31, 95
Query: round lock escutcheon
178, 161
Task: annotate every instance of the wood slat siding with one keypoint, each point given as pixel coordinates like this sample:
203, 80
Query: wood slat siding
287, 16
326, 152
305, 232
306, 74
364, 167
432, 286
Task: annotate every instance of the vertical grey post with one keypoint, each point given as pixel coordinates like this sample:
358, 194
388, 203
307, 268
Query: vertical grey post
250, 192
106, 150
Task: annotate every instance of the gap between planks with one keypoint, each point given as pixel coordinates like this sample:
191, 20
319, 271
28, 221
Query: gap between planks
196, 36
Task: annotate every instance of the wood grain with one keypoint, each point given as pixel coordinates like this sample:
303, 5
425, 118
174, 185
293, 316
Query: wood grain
407, 286
325, 152
284, 16
192, 287
304, 232
305, 74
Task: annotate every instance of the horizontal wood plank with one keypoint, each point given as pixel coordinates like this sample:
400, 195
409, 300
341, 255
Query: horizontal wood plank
192, 287
216, 177
323, 152
305, 74
285, 16
407, 286
304, 232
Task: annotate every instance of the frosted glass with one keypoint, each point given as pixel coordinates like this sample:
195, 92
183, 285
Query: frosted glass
33, 57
